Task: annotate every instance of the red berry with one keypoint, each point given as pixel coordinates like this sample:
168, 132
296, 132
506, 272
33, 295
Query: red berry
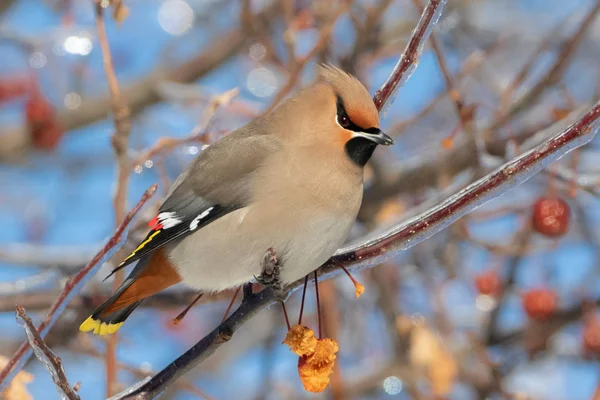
47, 135
488, 283
540, 303
591, 335
551, 216
44, 129
13, 87
38, 110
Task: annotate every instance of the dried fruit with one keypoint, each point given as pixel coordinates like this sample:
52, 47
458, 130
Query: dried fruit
317, 357
359, 288
488, 283
540, 303
551, 216
301, 340
559, 113
314, 370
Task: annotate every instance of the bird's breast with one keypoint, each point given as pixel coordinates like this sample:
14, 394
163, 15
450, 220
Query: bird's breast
300, 207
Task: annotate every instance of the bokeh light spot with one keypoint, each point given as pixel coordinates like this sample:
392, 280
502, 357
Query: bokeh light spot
175, 17
392, 385
261, 82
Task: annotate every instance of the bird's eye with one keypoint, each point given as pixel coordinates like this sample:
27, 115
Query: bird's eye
344, 121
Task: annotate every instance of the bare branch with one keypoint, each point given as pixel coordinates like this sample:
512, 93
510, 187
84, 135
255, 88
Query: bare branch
120, 143
50, 360
409, 59
563, 60
73, 286
122, 118
37, 255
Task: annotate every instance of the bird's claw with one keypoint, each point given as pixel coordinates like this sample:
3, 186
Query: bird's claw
270, 275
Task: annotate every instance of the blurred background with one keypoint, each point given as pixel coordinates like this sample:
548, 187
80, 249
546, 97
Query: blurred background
500, 305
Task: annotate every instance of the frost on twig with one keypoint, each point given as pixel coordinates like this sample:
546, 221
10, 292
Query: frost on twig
407, 63
47, 357
132, 389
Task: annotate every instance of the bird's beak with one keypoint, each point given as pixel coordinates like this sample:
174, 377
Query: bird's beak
377, 136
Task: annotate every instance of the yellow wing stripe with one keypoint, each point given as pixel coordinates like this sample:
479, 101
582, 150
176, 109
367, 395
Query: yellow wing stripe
99, 328
141, 246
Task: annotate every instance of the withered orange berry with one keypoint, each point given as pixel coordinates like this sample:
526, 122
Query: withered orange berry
551, 216
540, 303
488, 283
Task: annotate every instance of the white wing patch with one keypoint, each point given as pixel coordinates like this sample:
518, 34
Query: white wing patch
194, 224
168, 219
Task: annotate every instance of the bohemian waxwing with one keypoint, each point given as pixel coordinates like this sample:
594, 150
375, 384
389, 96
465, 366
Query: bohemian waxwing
290, 180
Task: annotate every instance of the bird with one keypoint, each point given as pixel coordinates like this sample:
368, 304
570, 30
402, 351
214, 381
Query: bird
290, 180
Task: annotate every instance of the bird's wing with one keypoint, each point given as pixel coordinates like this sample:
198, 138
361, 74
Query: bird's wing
217, 182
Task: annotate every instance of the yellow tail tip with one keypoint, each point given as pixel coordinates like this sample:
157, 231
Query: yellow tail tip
98, 327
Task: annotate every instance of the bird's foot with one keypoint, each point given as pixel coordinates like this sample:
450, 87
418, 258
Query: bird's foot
270, 275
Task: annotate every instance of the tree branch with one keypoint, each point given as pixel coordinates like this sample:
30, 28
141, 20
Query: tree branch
72, 287
47, 357
120, 144
407, 63
563, 60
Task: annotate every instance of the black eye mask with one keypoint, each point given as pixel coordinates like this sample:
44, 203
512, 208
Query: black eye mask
345, 122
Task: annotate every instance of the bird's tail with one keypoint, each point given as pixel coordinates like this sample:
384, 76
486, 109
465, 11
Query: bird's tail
106, 324
151, 275
109, 317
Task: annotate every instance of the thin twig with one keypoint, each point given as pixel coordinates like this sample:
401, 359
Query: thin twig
298, 65
47, 356
86, 347
199, 133
182, 314
120, 143
473, 61
453, 92
300, 314
408, 61
367, 35
521, 240
170, 299
285, 316
525, 70
72, 287
563, 60
318, 305
235, 294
